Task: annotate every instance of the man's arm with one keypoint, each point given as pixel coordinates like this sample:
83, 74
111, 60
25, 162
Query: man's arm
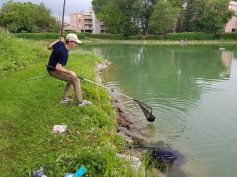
50, 46
59, 67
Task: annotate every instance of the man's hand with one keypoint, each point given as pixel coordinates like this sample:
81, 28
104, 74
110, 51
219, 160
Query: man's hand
72, 73
50, 46
59, 67
61, 39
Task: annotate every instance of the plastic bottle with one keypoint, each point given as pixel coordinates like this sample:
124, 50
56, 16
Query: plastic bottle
80, 172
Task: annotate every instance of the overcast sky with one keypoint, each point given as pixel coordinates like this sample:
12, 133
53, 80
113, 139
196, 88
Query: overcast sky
56, 6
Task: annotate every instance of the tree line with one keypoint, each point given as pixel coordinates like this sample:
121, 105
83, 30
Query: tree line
148, 17
128, 17
27, 17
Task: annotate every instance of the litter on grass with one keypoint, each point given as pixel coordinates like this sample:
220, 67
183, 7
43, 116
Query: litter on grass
38, 173
59, 129
136, 162
79, 173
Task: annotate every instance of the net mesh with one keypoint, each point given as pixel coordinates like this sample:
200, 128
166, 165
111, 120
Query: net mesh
147, 110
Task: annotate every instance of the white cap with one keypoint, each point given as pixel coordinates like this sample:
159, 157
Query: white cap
72, 37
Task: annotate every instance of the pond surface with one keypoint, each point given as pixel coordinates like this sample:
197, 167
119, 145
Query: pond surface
193, 93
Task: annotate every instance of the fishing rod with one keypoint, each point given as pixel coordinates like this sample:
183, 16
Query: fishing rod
147, 110
34, 78
63, 18
61, 35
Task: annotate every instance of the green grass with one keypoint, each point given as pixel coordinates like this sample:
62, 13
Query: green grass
17, 53
30, 109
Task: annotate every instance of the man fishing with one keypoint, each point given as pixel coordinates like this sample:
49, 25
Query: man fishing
58, 59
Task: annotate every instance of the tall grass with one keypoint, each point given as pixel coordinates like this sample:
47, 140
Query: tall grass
17, 53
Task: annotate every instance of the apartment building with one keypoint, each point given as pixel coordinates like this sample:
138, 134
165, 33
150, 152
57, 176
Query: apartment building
66, 26
231, 26
86, 22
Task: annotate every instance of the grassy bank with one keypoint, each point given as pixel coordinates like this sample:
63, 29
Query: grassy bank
30, 109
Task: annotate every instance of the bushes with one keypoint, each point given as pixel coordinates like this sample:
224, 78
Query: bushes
43, 36
106, 36
37, 36
226, 36
188, 36
139, 37
176, 36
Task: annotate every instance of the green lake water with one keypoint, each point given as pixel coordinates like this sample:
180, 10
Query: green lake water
193, 93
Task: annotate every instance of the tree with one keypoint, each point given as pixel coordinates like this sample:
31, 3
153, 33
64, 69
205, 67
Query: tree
131, 16
147, 10
28, 17
180, 26
164, 17
124, 16
207, 15
160, 16
108, 12
16, 16
119, 16
193, 12
215, 16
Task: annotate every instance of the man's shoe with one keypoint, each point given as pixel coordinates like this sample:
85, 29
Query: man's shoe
66, 100
84, 102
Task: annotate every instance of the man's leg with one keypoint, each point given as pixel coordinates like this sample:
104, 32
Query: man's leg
71, 80
76, 85
66, 91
